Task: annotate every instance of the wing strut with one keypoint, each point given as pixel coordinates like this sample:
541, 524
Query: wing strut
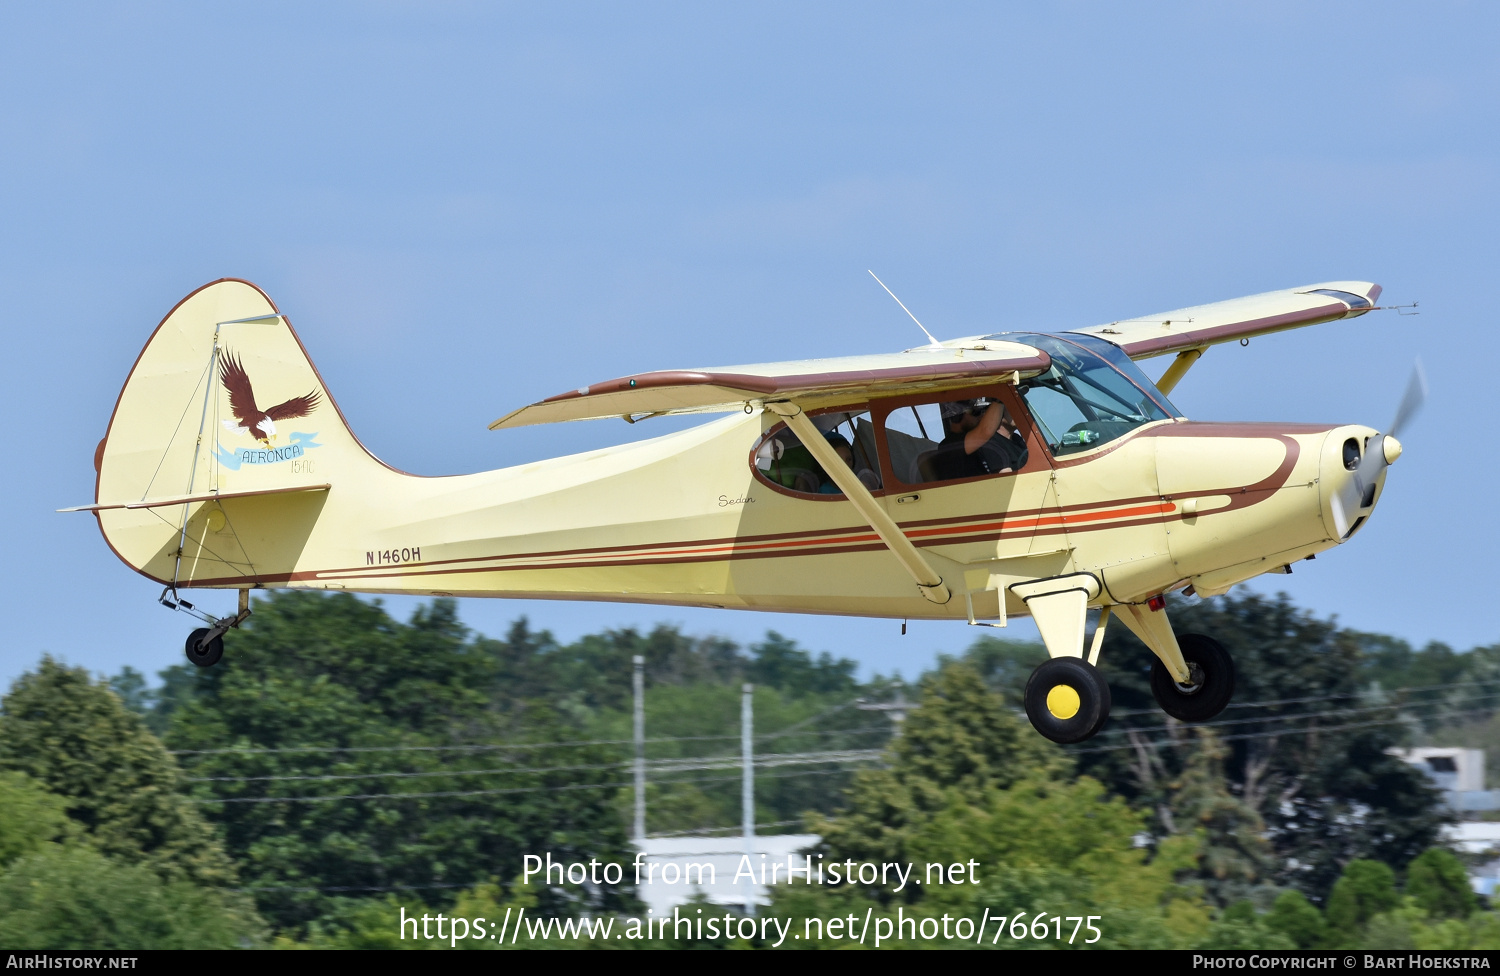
1178, 369
928, 581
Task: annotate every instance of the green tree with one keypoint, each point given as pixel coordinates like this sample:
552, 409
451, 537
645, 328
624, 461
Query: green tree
72, 897
1044, 840
1309, 751
779, 663
1239, 926
1439, 883
1005, 665
1392, 664
1408, 926
1236, 858
702, 721
75, 738
593, 673
1365, 889
131, 688
346, 754
802, 703
1298, 920
960, 741
30, 817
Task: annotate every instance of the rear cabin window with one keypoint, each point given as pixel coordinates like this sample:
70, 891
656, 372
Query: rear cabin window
784, 460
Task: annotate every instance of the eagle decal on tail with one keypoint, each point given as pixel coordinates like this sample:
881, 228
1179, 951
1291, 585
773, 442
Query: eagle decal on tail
251, 419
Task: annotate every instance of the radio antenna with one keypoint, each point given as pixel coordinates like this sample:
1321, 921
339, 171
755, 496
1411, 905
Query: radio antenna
929, 336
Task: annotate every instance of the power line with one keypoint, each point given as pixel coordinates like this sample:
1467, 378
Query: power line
270, 750
1273, 733
405, 796
1333, 697
825, 757
789, 730
330, 777
770, 759
1294, 716
483, 747
332, 798
336, 888
663, 765
479, 747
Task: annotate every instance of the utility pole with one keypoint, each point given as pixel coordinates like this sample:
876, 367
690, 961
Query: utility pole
896, 710
747, 783
638, 681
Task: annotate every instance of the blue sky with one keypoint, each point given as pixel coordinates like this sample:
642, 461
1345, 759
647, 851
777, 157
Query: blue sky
467, 207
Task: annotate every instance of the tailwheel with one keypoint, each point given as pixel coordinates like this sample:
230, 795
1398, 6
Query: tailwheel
204, 650
205, 646
1067, 699
1209, 687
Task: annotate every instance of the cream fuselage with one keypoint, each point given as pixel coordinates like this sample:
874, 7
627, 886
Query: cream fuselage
684, 519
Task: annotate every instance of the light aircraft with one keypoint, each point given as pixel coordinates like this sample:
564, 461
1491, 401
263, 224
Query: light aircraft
1020, 473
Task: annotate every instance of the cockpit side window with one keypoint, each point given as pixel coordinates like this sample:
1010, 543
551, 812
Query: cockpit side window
954, 436
782, 459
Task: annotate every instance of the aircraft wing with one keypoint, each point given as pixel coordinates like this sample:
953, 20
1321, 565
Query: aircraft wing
1238, 318
811, 382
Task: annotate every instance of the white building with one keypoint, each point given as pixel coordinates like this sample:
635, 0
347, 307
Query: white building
1453, 770
1459, 773
677, 868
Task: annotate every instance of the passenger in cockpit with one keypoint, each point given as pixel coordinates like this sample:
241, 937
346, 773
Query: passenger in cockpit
869, 478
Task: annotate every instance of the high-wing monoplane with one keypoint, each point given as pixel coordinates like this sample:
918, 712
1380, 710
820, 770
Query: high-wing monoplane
977, 479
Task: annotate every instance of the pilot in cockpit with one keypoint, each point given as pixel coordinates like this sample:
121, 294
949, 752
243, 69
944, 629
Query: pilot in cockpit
981, 438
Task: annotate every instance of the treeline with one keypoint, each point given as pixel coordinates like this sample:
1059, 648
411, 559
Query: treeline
1187, 863
340, 762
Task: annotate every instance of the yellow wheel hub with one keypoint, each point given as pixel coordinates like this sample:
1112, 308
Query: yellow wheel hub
1063, 702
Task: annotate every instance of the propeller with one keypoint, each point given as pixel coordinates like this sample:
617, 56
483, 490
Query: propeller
1380, 453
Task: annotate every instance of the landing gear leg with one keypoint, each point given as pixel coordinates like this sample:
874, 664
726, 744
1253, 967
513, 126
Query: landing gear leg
205, 645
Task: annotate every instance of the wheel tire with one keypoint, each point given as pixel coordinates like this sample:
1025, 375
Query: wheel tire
204, 655
1067, 699
1210, 694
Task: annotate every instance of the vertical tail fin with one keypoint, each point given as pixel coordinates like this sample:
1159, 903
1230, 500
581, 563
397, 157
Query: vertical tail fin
223, 406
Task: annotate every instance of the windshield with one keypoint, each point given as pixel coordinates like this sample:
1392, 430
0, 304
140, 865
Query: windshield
1092, 395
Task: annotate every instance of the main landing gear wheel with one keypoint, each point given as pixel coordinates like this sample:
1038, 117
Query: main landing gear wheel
1210, 688
1067, 699
203, 653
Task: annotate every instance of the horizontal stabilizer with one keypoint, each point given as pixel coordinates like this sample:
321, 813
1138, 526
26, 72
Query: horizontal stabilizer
209, 496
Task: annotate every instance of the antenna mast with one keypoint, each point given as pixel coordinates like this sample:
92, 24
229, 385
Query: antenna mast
932, 341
